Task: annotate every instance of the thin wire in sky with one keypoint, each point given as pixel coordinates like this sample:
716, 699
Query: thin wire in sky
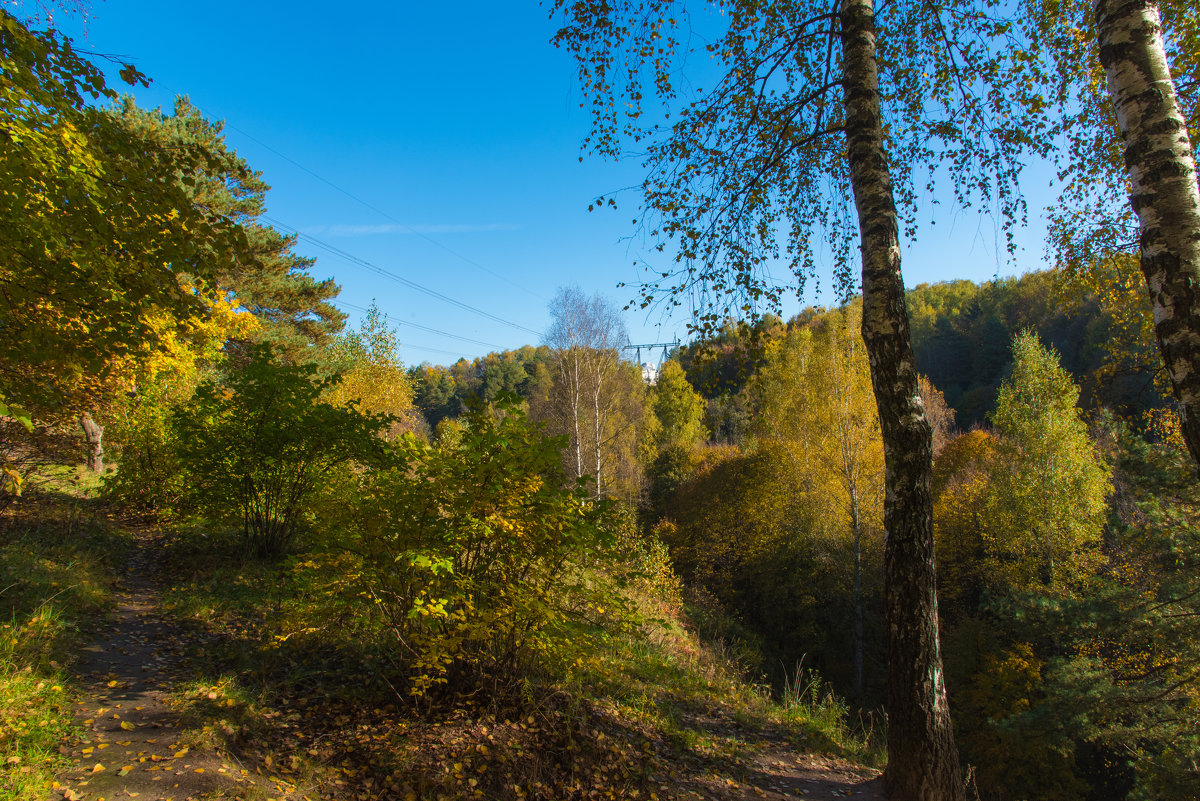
420, 327
383, 213
433, 293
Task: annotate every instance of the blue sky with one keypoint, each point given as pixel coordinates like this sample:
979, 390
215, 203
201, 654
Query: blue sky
440, 142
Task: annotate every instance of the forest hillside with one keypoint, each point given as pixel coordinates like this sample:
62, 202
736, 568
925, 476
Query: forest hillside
251, 550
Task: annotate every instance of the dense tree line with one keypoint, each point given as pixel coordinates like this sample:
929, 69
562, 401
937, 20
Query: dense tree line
1099, 324
1043, 507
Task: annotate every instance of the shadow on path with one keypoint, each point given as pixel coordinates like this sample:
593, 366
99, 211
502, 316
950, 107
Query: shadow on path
133, 745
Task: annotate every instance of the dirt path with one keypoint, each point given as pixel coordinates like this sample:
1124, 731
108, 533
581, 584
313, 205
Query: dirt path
133, 746
781, 773
773, 769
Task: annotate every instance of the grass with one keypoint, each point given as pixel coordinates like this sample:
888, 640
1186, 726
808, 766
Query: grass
700, 701
58, 555
682, 673
34, 721
612, 708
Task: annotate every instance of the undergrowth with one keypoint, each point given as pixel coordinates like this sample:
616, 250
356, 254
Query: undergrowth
57, 558
298, 684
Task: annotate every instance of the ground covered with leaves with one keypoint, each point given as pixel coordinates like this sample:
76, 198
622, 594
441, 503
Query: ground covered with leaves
164, 665
631, 714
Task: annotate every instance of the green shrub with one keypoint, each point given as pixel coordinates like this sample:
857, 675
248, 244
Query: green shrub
475, 552
254, 449
148, 477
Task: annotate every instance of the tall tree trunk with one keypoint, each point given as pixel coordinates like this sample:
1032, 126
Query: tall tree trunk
93, 434
576, 378
1163, 190
922, 760
598, 431
856, 525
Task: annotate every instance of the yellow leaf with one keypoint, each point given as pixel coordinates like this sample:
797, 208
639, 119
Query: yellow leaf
127, 726
97, 768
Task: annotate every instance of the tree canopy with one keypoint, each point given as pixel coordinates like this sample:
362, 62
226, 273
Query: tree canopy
100, 228
269, 280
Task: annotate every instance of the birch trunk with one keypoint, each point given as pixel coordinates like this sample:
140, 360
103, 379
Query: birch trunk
922, 760
856, 525
576, 378
597, 430
1163, 190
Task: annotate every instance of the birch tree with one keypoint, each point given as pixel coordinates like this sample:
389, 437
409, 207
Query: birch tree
809, 109
586, 334
1124, 74
1162, 189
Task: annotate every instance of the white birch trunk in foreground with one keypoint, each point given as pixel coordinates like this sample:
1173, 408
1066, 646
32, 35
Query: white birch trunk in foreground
1163, 190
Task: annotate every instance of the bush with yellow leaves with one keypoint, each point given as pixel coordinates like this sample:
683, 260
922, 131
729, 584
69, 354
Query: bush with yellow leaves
476, 553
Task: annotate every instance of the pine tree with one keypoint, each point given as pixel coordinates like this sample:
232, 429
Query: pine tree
295, 311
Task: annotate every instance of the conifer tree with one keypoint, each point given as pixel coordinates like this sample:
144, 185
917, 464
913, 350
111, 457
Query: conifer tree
294, 310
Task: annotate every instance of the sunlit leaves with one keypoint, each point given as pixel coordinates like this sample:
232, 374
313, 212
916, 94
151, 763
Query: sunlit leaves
255, 448
96, 227
678, 410
373, 376
1114, 280
474, 552
1050, 497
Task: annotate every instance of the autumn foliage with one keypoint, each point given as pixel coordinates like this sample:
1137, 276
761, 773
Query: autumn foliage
474, 553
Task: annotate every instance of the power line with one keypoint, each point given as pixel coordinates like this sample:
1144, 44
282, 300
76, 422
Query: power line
424, 327
395, 277
379, 270
433, 350
383, 213
404, 345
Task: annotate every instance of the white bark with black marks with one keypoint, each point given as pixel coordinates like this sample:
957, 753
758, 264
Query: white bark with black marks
1162, 189
922, 759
